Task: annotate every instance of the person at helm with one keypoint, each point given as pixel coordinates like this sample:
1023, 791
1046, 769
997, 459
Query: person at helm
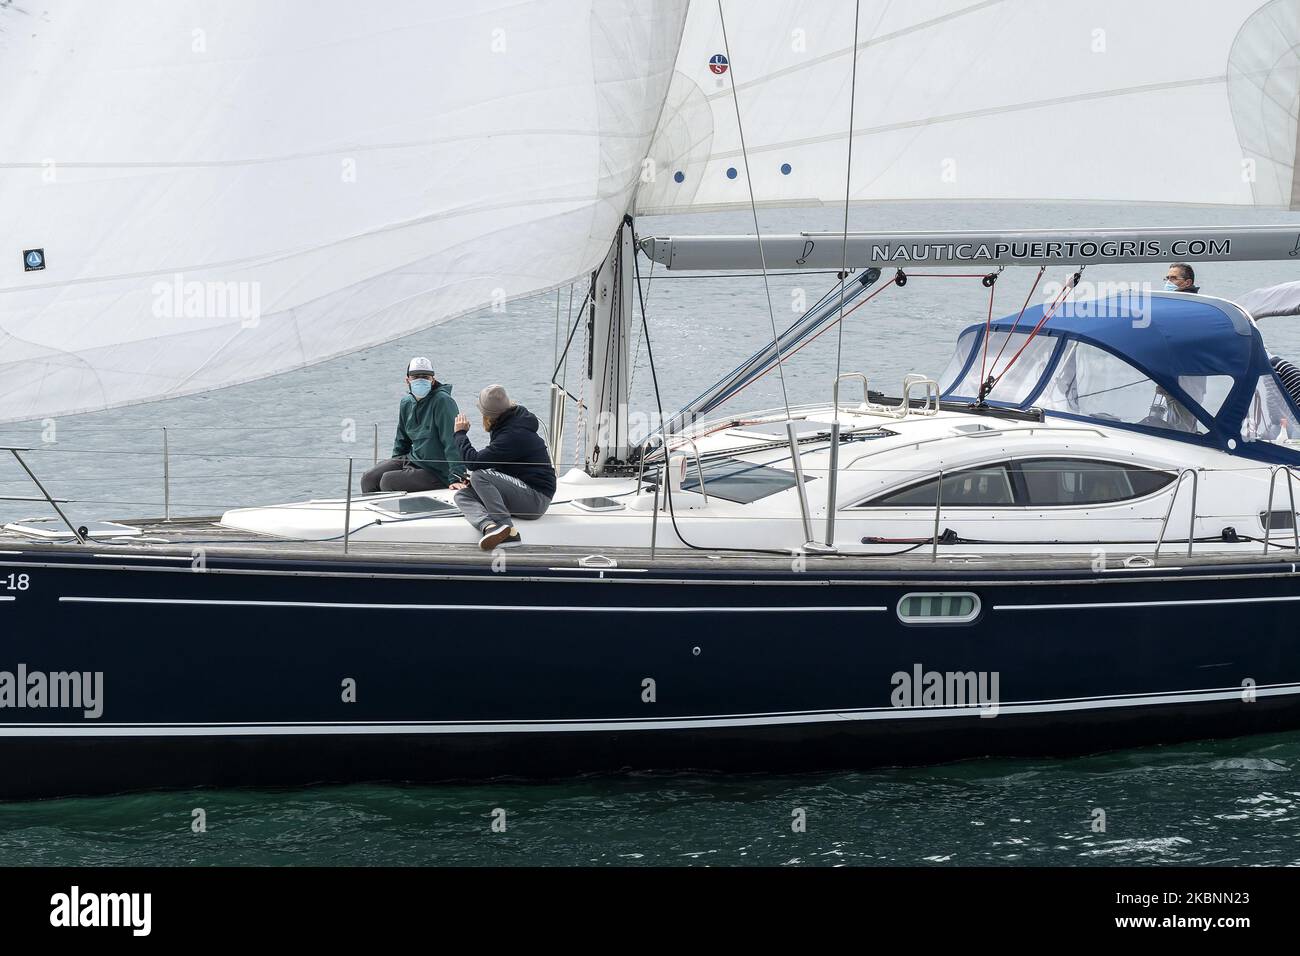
425, 456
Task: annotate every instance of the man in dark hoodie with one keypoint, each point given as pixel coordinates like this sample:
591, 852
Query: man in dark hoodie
511, 478
424, 451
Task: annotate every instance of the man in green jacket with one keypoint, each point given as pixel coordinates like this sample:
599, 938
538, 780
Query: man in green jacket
425, 456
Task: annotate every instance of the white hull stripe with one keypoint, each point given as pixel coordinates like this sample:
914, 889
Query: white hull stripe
564, 608
91, 729
1111, 604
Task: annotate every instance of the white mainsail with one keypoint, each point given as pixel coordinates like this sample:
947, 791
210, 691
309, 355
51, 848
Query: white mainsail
1161, 101
196, 194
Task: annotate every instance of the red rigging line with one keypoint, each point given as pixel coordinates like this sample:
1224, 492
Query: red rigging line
949, 275
988, 324
1015, 324
1047, 314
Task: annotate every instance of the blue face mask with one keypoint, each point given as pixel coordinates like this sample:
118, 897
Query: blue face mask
421, 387
1170, 287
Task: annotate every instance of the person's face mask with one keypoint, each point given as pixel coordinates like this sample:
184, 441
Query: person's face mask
421, 387
1170, 287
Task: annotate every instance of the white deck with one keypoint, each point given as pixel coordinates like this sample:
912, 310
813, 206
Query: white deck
1232, 492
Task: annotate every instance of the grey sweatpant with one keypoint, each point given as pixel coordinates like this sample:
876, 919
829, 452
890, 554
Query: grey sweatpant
493, 497
398, 474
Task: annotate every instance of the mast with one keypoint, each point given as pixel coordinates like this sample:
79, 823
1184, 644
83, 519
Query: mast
609, 321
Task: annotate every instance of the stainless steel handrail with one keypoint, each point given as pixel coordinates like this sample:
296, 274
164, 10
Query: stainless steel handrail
668, 444
835, 389
904, 407
699, 459
1191, 523
931, 392
1268, 511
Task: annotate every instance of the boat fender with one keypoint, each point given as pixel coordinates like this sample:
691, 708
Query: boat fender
900, 278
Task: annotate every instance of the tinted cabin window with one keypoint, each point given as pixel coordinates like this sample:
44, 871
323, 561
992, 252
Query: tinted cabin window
1061, 481
978, 487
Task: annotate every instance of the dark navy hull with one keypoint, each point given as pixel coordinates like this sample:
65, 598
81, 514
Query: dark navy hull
239, 674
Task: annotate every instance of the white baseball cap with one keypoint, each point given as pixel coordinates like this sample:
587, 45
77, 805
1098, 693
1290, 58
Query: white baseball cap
419, 364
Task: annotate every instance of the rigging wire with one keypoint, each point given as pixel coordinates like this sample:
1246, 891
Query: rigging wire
636, 356
564, 378
753, 205
988, 324
645, 331
848, 179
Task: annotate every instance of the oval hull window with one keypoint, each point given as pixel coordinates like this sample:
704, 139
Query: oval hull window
938, 607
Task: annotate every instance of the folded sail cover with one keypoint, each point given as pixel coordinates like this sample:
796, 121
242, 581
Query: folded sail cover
1281, 299
195, 194
1165, 101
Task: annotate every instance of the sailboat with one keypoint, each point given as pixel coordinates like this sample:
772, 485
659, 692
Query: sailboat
1080, 535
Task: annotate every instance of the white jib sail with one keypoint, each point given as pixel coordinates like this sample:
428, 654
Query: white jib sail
1157, 101
195, 194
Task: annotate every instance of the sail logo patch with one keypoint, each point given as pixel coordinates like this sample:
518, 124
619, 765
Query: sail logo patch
718, 64
33, 260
